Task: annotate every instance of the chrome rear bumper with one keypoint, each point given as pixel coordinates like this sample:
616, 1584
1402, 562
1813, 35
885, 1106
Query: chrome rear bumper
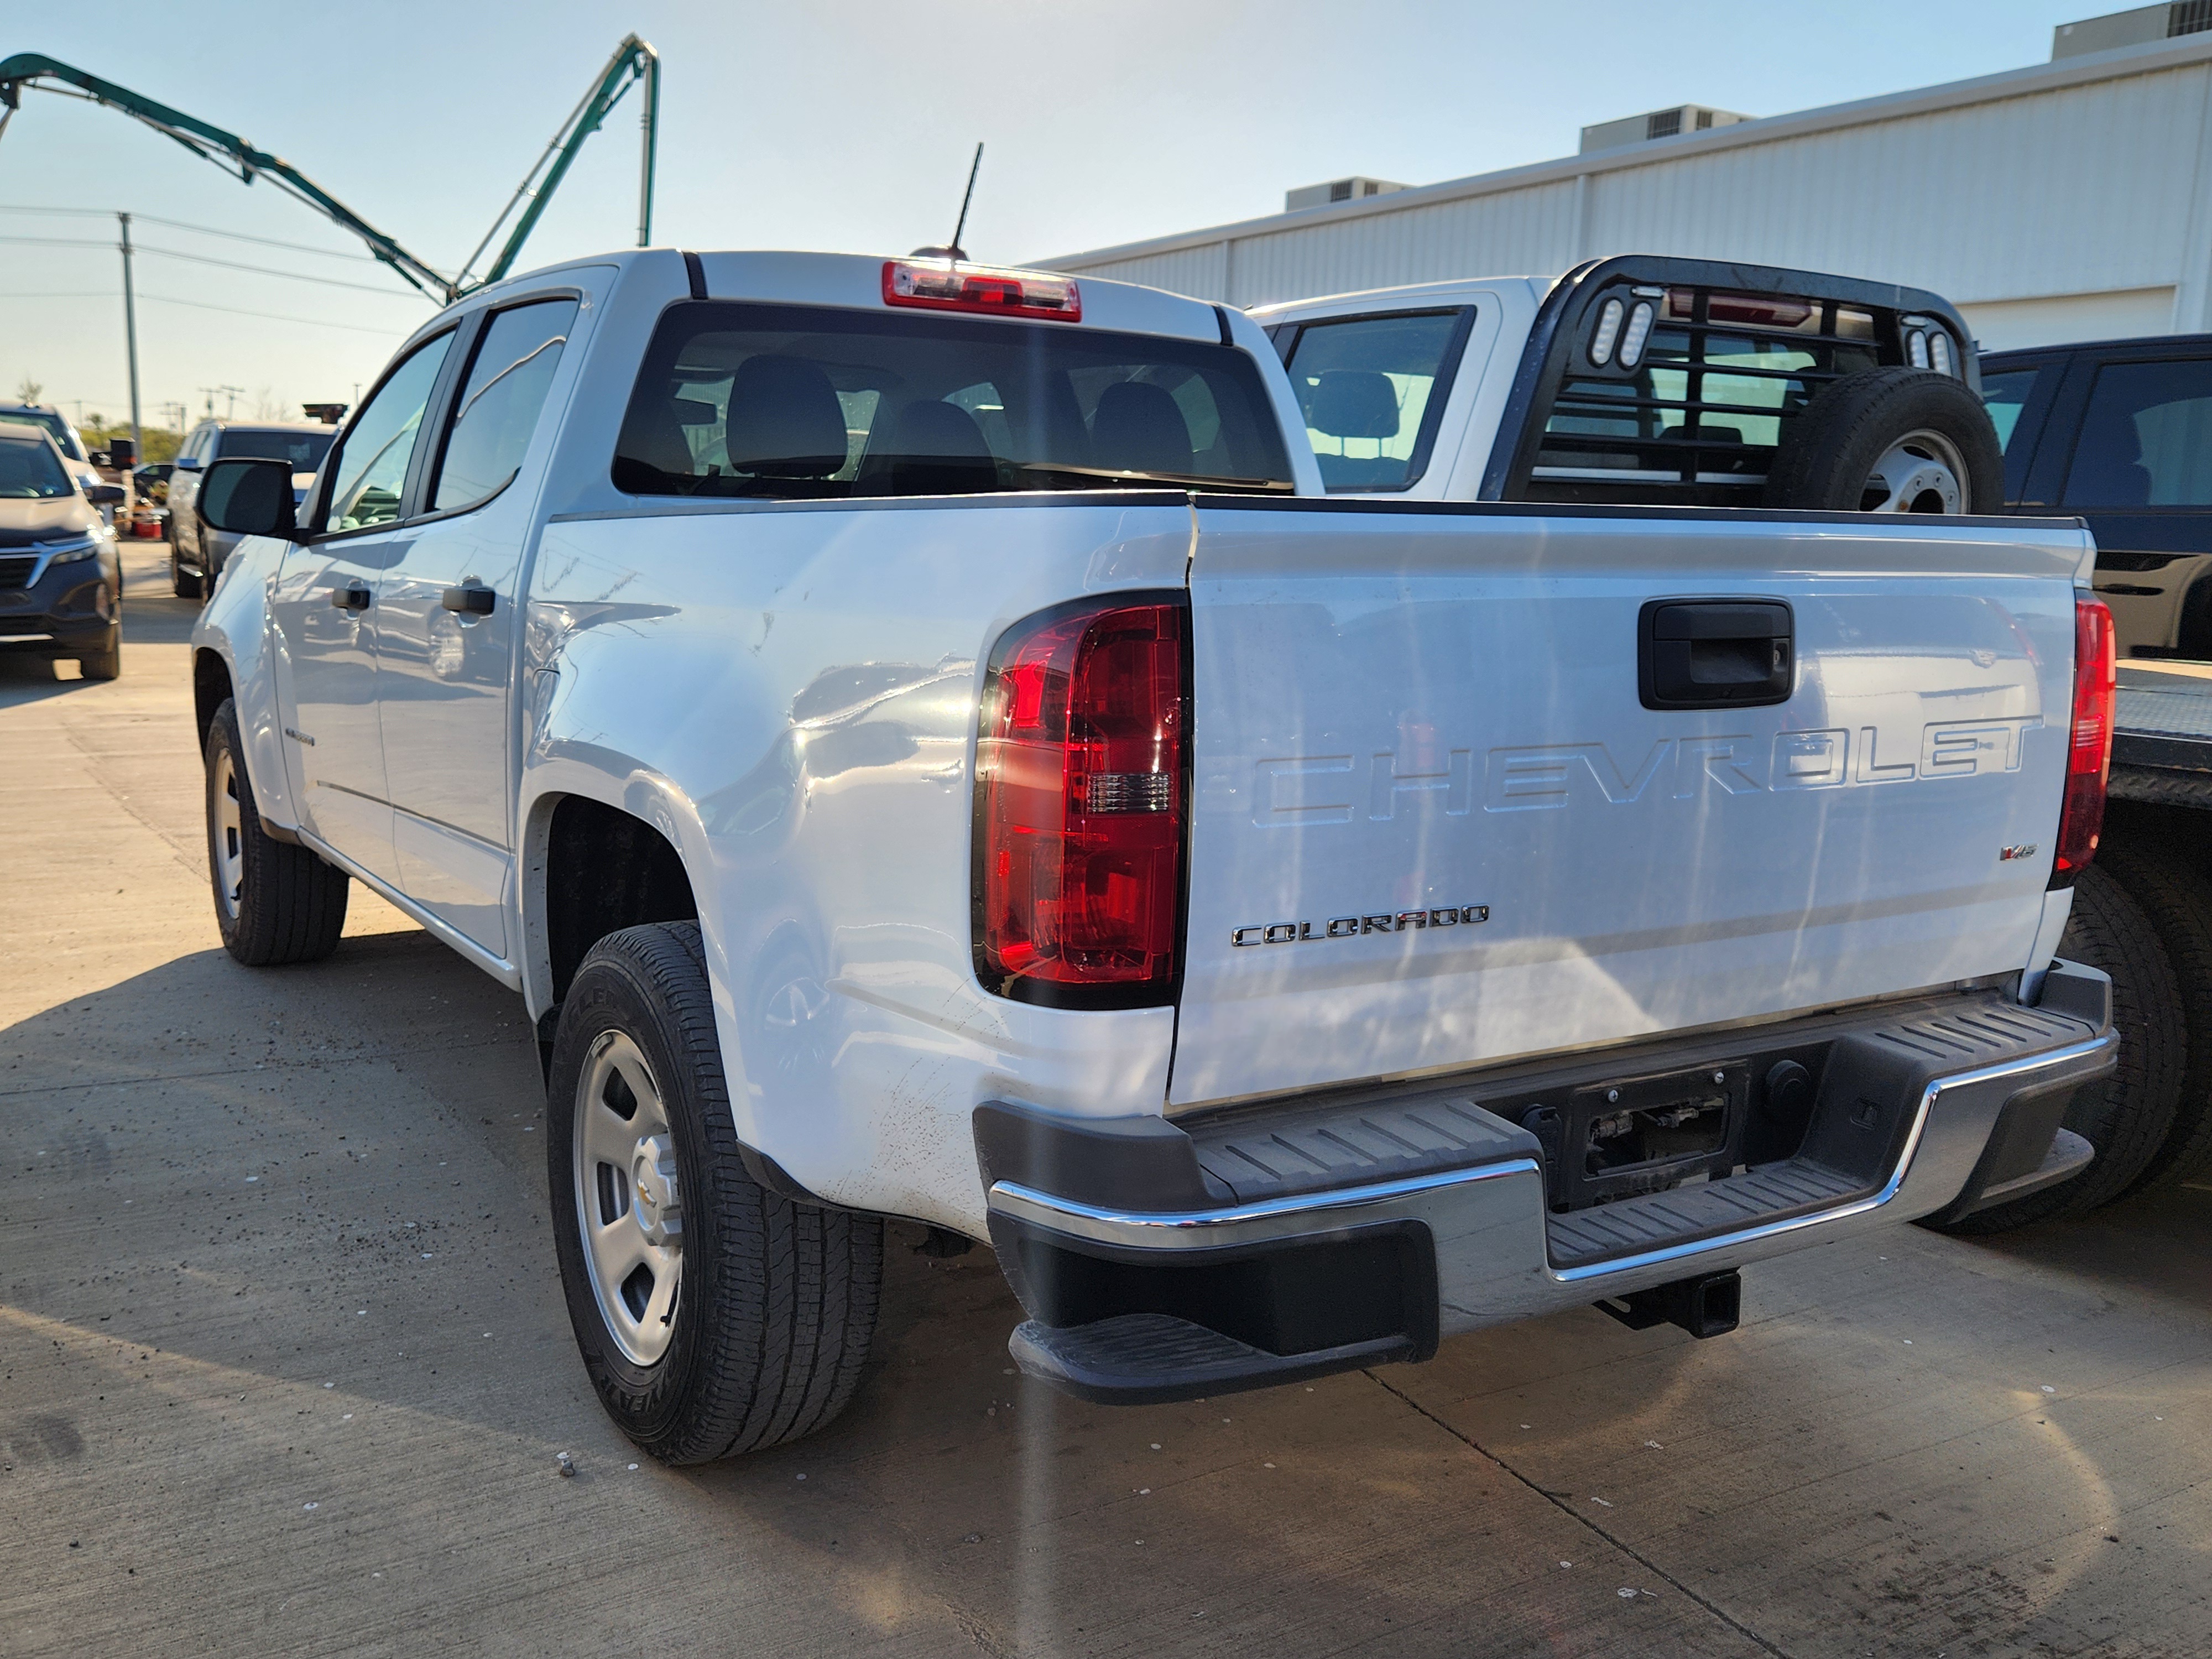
1484, 1227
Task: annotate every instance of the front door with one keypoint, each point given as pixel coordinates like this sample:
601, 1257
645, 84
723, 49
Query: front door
326, 613
450, 622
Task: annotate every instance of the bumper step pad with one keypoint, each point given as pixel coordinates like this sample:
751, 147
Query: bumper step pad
1134, 1358
1630, 1225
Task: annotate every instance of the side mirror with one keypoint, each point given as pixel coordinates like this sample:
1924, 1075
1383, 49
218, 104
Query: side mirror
249, 498
104, 494
187, 464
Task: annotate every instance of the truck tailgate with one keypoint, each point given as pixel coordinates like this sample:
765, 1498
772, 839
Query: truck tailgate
1435, 825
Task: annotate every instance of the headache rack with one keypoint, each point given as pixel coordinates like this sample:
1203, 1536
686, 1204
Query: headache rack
1663, 381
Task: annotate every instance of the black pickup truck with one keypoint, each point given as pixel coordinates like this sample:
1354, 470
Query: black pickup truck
2119, 432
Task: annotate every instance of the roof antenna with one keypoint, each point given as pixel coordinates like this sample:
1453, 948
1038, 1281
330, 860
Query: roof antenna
955, 252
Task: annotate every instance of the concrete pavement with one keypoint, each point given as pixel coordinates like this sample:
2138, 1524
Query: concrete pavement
284, 1370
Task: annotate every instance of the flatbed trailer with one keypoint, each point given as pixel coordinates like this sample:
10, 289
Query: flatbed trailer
2162, 738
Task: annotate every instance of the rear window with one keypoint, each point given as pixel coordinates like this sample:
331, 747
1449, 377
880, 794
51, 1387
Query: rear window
794, 402
1695, 406
1372, 391
28, 470
304, 450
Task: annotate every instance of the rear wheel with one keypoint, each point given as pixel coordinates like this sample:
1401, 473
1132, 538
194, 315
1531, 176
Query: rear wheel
1890, 440
186, 584
274, 902
2126, 1117
714, 1316
2169, 886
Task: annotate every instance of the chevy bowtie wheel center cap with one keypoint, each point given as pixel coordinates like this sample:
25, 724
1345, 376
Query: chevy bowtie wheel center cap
652, 1183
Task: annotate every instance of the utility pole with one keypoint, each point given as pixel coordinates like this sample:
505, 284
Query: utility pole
648, 119
130, 336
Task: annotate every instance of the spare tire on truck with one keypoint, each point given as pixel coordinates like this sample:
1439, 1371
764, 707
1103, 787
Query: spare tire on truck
1890, 440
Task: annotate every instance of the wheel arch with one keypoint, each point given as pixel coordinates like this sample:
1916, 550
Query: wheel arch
232, 657
211, 684
597, 859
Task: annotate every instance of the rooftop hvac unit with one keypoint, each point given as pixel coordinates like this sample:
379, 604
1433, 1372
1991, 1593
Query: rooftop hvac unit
2131, 28
1357, 188
1659, 124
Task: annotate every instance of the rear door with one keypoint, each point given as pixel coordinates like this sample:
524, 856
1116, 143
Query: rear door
1435, 825
2139, 469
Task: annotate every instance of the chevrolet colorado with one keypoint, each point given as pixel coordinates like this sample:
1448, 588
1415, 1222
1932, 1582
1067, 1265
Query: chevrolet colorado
924, 742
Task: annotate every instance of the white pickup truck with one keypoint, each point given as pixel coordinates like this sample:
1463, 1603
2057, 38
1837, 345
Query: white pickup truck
924, 742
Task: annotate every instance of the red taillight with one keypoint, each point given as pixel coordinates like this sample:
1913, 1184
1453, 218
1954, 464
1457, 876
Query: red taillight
945, 285
1080, 805
2089, 756
1757, 311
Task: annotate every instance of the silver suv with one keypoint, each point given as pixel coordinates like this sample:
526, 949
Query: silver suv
196, 550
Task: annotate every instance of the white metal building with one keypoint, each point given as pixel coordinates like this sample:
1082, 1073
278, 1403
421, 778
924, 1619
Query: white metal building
2067, 200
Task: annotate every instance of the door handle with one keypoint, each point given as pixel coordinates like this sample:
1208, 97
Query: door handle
350, 596
470, 601
1715, 653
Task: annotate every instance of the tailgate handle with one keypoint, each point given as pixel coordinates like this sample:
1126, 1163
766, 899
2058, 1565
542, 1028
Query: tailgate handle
1715, 653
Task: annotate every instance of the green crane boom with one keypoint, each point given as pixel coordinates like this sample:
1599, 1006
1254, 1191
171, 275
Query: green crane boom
634, 60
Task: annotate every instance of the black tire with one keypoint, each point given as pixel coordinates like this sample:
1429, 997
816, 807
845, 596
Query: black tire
777, 1300
1828, 452
184, 583
2174, 893
289, 906
106, 662
2127, 1117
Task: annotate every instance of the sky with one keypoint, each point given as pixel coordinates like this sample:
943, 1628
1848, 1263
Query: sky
847, 127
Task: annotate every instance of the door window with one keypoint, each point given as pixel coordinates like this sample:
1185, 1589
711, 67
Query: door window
2147, 438
1372, 391
499, 406
2005, 394
372, 457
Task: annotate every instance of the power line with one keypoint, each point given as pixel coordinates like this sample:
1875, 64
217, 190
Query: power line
204, 230
202, 305
297, 275
270, 316
204, 259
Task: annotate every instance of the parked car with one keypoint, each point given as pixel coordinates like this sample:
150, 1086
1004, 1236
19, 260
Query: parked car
195, 552
923, 744
61, 579
66, 439
2120, 433
1646, 381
